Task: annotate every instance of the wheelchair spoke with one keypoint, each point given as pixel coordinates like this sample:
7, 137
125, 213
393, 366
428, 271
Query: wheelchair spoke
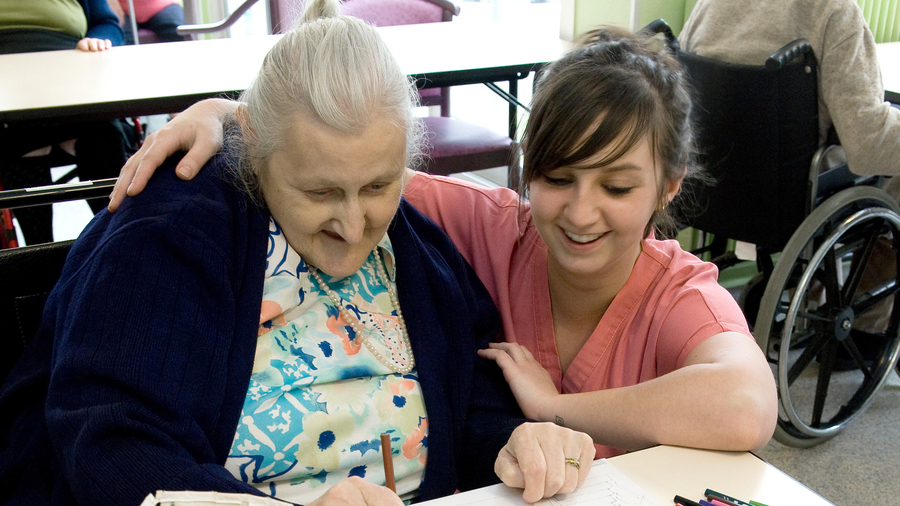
825, 369
813, 317
854, 404
851, 348
875, 295
832, 281
861, 259
817, 341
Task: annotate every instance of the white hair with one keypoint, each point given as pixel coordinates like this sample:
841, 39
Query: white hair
336, 69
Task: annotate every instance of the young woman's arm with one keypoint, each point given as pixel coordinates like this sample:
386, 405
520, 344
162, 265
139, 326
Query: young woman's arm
722, 398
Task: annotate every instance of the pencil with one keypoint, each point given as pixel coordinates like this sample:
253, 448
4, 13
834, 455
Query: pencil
387, 456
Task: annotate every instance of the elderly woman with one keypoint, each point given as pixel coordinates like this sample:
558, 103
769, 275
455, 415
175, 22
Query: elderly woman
257, 329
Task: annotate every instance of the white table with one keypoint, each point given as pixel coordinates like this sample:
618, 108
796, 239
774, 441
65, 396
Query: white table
889, 60
665, 471
161, 78
659, 474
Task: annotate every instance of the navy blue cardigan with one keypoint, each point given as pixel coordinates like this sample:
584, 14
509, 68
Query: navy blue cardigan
147, 344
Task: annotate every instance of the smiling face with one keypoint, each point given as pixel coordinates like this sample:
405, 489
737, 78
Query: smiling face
593, 218
334, 194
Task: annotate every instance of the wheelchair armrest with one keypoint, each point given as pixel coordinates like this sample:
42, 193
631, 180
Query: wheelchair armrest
838, 178
11, 199
787, 53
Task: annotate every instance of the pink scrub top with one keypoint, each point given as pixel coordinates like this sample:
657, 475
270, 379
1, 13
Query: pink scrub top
146, 9
671, 302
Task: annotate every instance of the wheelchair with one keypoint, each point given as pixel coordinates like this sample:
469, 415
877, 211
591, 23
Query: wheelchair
29, 273
816, 229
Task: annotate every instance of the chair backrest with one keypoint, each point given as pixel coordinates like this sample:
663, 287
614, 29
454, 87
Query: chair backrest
27, 275
757, 135
284, 13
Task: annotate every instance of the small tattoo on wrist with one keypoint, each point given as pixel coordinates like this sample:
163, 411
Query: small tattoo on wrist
560, 421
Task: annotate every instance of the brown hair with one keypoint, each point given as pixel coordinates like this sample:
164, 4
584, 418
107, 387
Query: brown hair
614, 90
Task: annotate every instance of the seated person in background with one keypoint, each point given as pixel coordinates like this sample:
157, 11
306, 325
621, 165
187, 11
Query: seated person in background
257, 329
100, 147
611, 331
851, 91
162, 17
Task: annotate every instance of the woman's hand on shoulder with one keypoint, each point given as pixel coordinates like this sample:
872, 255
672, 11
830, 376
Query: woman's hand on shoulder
545, 459
530, 382
356, 491
197, 130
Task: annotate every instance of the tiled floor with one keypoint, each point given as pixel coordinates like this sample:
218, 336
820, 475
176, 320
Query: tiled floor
474, 103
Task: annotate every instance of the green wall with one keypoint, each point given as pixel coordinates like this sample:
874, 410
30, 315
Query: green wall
586, 14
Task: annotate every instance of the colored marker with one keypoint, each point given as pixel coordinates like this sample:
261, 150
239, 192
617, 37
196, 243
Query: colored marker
705, 503
726, 502
717, 502
754, 503
724, 498
685, 501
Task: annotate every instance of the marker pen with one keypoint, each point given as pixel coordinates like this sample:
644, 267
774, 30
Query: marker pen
721, 499
724, 498
685, 501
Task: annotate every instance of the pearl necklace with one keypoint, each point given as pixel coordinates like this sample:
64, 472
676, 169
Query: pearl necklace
404, 337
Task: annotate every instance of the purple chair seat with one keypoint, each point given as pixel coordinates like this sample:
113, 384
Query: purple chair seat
146, 36
460, 146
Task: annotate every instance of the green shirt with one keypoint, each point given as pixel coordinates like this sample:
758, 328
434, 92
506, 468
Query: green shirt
65, 16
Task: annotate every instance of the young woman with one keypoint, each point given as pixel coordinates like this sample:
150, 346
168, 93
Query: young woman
608, 330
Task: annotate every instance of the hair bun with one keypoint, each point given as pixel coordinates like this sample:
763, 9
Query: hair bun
318, 9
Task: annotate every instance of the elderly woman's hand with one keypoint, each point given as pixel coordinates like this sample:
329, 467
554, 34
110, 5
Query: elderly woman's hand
356, 491
197, 130
545, 459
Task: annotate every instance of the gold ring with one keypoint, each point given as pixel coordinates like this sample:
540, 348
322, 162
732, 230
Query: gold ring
574, 463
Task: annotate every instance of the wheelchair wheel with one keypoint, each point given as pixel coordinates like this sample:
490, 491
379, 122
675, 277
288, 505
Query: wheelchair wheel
811, 313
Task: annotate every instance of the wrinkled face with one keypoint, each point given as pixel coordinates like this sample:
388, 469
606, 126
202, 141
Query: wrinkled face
593, 219
334, 194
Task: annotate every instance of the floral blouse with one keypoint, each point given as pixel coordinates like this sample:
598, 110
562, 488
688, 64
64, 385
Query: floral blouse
318, 399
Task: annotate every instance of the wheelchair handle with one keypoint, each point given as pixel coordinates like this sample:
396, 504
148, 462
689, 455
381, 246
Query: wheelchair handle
787, 53
660, 26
